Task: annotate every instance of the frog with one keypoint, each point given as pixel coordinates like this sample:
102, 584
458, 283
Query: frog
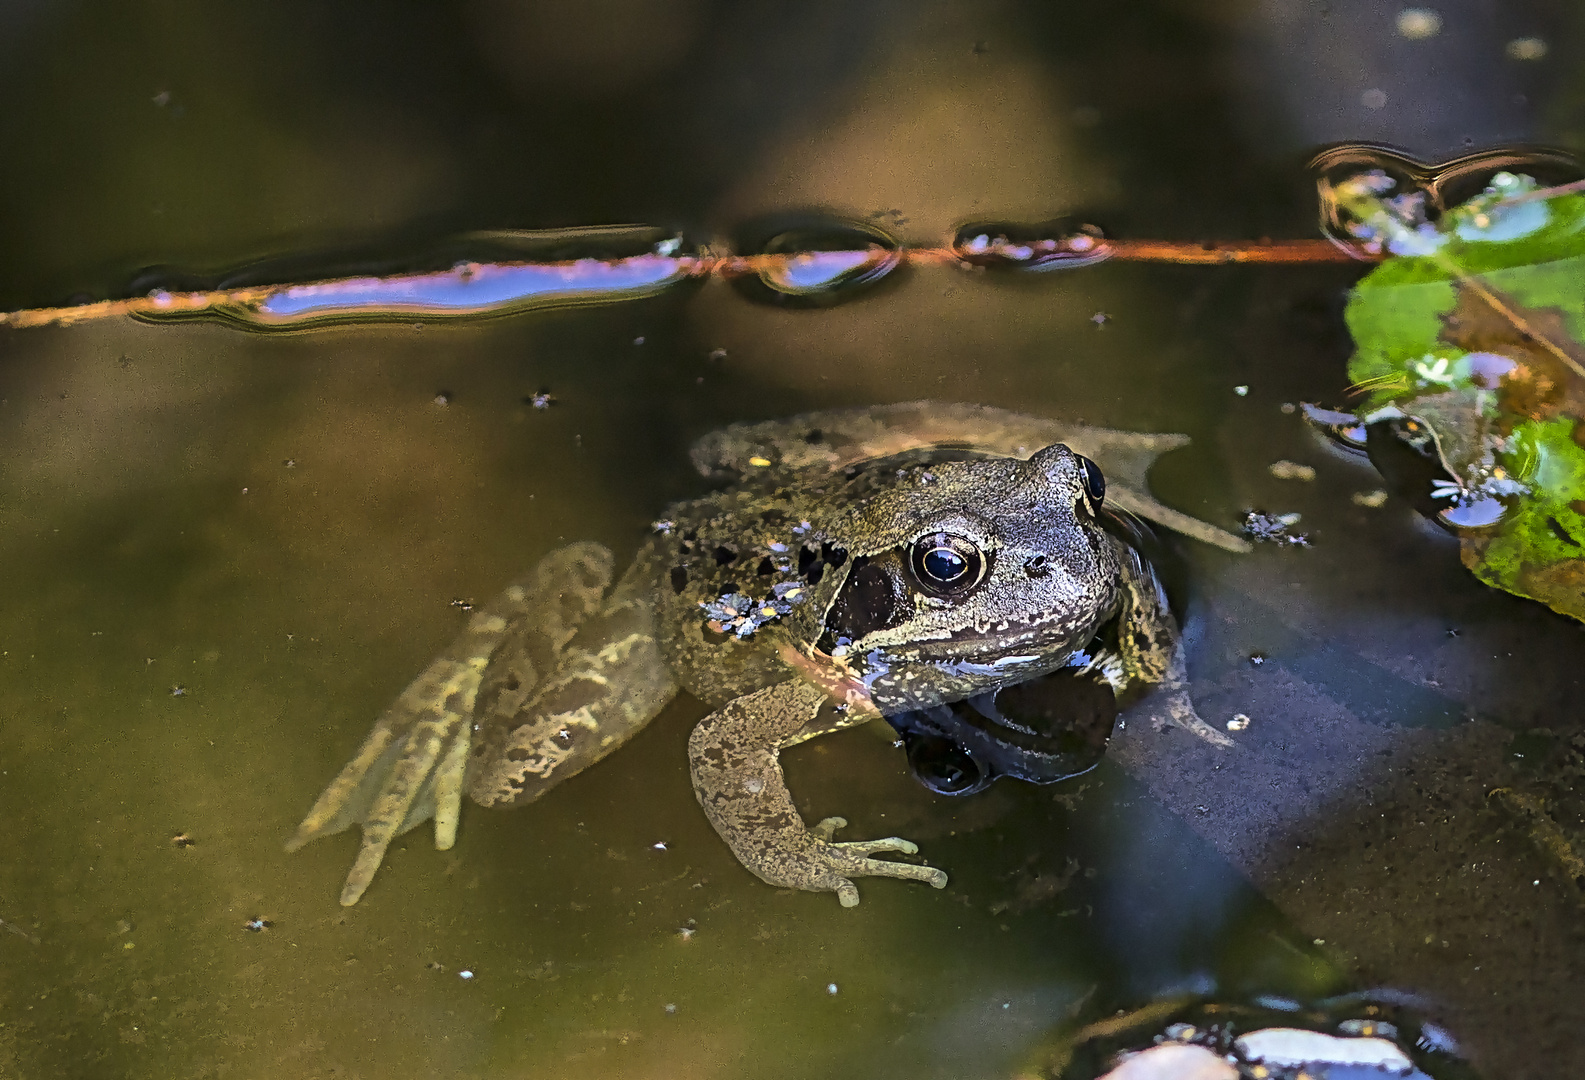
853, 564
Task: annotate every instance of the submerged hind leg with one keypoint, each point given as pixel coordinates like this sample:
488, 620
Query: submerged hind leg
410, 767
609, 681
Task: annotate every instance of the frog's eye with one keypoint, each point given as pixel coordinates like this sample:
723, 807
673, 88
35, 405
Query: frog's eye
1094, 481
943, 563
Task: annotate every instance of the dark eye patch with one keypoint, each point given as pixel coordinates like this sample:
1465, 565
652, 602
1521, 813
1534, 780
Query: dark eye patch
872, 598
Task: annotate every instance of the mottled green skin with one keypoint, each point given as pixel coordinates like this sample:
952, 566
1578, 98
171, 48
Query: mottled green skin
562, 668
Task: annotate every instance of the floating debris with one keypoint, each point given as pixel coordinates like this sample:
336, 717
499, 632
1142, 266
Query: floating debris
1239, 722
462, 603
464, 974
1526, 48
31, 939
178, 690
1372, 500
542, 399
182, 840
443, 398
1241, 391
1257, 659
257, 926
1273, 529
831, 988
1417, 24
1291, 470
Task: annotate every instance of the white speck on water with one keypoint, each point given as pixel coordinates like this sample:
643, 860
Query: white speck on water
831, 988
464, 974
1241, 391
1526, 48
1291, 470
1239, 722
1373, 99
1417, 24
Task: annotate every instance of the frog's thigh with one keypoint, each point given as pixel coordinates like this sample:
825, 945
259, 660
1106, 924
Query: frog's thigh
411, 764
739, 783
610, 679
1152, 648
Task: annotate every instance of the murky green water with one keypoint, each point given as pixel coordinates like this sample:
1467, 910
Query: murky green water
276, 525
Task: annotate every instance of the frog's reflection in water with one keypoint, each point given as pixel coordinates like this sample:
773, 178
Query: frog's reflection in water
1044, 730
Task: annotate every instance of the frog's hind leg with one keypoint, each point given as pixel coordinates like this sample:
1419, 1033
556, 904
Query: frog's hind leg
410, 767
608, 681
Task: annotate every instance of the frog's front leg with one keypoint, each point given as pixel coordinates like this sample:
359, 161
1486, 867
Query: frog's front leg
1152, 647
412, 764
738, 779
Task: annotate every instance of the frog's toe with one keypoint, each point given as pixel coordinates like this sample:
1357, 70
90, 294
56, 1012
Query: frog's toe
870, 847
850, 861
851, 858
1181, 713
827, 827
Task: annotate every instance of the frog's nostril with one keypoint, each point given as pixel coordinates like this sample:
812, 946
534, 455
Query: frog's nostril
1037, 566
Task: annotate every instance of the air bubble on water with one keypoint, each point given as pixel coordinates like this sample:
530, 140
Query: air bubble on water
1045, 246
1473, 515
1422, 191
814, 261
478, 274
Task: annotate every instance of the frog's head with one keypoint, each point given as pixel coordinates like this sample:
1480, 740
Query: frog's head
971, 575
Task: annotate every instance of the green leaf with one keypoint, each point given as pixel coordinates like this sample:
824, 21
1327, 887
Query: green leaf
1476, 326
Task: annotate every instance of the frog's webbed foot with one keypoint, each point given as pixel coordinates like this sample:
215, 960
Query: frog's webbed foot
1180, 712
847, 895
739, 783
412, 765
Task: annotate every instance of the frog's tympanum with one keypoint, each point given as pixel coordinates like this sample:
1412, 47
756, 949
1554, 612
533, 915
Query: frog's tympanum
861, 563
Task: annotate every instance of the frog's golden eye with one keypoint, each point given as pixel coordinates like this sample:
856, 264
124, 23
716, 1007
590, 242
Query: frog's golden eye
946, 564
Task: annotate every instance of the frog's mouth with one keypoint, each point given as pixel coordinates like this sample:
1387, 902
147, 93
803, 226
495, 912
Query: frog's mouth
1049, 728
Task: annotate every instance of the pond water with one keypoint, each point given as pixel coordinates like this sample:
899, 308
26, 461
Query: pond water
225, 551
